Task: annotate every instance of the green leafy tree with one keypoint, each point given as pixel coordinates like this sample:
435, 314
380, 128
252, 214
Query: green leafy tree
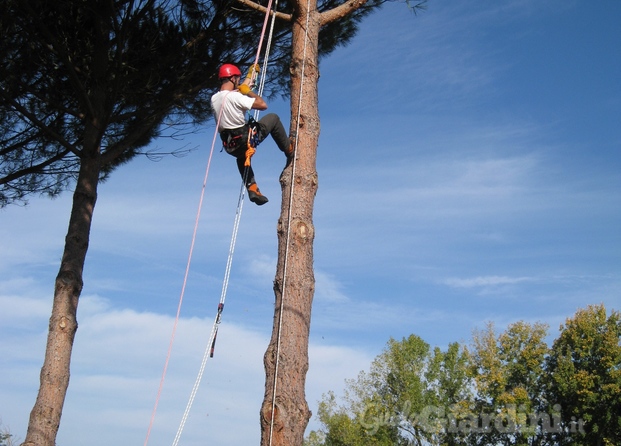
397, 384
450, 389
584, 370
345, 426
508, 370
506, 389
407, 398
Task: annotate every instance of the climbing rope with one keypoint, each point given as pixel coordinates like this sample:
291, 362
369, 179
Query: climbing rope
289, 215
183, 287
268, 49
214, 331
209, 351
251, 133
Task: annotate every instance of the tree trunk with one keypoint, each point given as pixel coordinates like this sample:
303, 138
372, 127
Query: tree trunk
286, 359
45, 415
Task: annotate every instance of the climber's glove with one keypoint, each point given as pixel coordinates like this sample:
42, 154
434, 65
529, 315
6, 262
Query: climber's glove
254, 69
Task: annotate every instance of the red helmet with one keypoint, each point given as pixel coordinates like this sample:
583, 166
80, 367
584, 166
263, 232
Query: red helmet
228, 70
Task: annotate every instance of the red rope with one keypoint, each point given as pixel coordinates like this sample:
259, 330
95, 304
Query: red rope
187, 270
185, 277
267, 15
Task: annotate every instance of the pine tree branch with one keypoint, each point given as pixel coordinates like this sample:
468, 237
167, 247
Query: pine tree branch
263, 9
33, 169
40, 125
340, 11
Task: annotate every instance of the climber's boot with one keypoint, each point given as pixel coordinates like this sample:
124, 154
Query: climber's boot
255, 195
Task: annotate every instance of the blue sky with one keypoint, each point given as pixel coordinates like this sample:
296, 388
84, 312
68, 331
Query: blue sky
469, 171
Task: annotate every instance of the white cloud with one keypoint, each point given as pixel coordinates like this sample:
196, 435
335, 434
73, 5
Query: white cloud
24, 303
118, 356
328, 289
263, 268
486, 281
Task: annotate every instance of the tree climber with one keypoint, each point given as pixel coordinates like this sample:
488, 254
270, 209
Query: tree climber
229, 106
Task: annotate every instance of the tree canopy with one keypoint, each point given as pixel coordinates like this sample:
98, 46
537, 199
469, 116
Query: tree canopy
509, 388
584, 375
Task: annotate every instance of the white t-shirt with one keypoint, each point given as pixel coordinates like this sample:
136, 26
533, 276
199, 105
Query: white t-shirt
235, 106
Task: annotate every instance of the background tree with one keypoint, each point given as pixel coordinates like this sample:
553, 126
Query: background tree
407, 398
6, 438
85, 85
398, 384
507, 389
508, 373
450, 388
584, 370
361, 422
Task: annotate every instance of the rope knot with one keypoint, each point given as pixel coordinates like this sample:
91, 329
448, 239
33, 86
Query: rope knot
251, 151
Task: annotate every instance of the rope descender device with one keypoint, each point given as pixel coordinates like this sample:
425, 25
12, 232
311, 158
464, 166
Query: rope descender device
218, 319
252, 142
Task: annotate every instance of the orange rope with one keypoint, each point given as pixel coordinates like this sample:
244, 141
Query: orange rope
249, 152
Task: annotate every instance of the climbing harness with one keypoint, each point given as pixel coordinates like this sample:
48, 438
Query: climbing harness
246, 136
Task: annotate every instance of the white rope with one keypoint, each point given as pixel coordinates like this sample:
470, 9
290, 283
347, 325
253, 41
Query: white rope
289, 214
185, 279
214, 331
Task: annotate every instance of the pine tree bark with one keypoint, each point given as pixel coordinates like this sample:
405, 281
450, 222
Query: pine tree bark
285, 413
54, 380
